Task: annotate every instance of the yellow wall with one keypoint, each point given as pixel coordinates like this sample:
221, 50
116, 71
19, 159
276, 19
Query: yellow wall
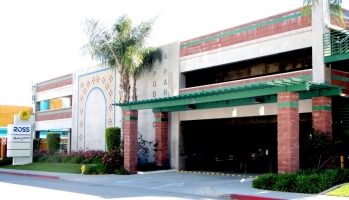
55, 104
7, 113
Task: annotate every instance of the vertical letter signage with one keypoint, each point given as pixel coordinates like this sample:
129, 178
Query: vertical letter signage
159, 83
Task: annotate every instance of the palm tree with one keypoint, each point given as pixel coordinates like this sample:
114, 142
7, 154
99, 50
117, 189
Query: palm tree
334, 8
149, 55
121, 47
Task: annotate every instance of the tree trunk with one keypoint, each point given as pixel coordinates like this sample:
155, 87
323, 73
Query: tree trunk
126, 88
121, 87
134, 89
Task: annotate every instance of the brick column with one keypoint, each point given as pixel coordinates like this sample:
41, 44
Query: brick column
288, 132
161, 138
322, 114
130, 140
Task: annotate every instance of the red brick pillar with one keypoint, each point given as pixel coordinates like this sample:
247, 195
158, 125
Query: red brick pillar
161, 138
322, 114
130, 140
288, 132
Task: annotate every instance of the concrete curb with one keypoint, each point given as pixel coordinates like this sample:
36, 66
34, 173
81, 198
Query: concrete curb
248, 197
31, 175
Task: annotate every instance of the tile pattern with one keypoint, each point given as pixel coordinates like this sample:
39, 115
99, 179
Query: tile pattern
103, 79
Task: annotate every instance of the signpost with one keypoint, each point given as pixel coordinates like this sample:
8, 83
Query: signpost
19, 139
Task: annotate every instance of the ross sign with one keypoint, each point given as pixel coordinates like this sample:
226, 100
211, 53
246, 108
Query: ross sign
21, 129
24, 114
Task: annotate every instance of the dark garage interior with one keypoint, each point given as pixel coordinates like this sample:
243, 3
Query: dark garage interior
227, 145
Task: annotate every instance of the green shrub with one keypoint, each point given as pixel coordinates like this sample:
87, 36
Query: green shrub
112, 160
305, 181
95, 160
54, 159
76, 159
121, 171
112, 138
66, 159
286, 183
36, 144
53, 140
308, 184
343, 176
95, 169
41, 159
6, 161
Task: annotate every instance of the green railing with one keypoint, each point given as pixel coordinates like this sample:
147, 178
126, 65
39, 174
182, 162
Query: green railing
336, 45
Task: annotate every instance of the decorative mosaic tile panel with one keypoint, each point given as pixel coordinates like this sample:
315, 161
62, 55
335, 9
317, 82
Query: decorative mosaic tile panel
105, 80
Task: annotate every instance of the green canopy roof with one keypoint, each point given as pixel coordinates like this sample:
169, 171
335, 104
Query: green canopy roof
266, 92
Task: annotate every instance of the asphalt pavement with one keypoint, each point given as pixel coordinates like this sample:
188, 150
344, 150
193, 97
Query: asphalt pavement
208, 184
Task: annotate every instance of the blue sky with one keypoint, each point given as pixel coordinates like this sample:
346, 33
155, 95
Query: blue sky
41, 39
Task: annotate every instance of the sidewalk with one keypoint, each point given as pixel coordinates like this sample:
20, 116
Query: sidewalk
219, 186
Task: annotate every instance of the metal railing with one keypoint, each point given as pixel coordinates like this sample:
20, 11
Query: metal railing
336, 43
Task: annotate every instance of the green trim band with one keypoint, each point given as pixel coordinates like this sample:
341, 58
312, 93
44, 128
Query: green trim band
288, 104
322, 107
340, 78
240, 30
161, 119
127, 118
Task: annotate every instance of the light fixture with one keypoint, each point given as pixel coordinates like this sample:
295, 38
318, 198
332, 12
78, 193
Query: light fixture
344, 95
257, 100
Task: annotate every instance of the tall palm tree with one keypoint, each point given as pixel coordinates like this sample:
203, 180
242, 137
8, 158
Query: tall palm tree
120, 47
334, 8
123, 48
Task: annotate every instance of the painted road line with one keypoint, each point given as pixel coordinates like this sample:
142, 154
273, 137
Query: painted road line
168, 185
127, 181
263, 192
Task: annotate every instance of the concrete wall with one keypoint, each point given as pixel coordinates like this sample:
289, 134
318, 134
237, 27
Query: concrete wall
54, 93
262, 109
95, 120
162, 81
94, 92
53, 124
320, 18
283, 42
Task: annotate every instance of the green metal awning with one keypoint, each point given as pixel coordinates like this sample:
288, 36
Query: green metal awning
247, 94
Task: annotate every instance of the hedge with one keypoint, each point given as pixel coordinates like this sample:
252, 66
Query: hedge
112, 138
6, 161
36, 144
304, 181
53, 140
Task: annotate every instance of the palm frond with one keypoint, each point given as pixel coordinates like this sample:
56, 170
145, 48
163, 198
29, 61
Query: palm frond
334, 8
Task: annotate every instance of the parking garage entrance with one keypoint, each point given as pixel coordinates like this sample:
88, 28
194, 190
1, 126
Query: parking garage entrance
230, 145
